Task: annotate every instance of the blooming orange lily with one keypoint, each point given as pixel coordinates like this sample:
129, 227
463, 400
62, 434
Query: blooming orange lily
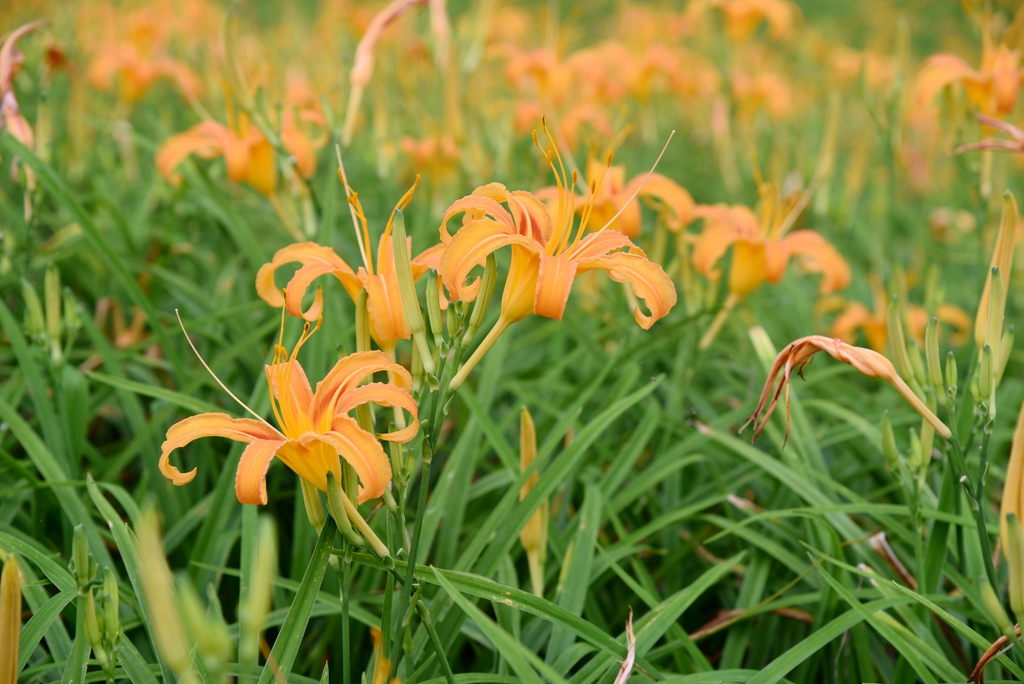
762, 245
546, 257
992, 87
249, 156
314, 430
384, 298
612, 206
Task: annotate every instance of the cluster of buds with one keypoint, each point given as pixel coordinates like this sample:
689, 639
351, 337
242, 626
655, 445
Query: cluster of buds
53, 319
99, 600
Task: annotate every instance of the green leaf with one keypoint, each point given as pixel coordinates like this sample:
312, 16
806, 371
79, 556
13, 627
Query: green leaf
289, 638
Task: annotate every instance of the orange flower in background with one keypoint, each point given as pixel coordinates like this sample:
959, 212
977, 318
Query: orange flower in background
248, 155
315, 431
874, 322
992, 87
766, 91
546, 255
848, 65
743, 17
384, 298
613, 195
762, 246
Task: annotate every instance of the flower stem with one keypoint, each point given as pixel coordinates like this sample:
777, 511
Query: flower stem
716, 325
473, 360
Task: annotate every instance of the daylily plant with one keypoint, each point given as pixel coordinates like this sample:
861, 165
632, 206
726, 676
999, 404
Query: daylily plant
11, 117
314, 431
548, 251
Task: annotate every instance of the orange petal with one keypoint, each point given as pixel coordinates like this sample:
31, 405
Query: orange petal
469, 249
751, 264
531, 216
301, 147
251, 476
816, 254
178, 147
346, 375
383, 394
647, 279
316, 261
361, 450
260, 166
676, 203
209, 425
384, 305
485, 200
599, 244
938, 72
554, 282
290, 386
427, 259
710, 246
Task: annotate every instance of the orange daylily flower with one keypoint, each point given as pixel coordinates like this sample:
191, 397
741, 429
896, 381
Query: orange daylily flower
384, 298
875, 326
247, 153
613, 195
799, 353
546, 257
136, 72
315, 431
761, 245
764, 90
992, 87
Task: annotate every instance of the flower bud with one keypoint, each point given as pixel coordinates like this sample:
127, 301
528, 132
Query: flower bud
35, 321
93, 632
433, 298
83, 567
407, 286
1005, 348
986, 374
111, 607
1014, 552
900, 356
914, 457
311, 502
1002, 257
917, 364
952, 377
995, 609
158, 592
996, 311
10, 619
483, 299
534, 536
931, 355
52, 295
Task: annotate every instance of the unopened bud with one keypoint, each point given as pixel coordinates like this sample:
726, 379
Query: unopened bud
898, 340
931, 355
914, 457
52, 294
986, 373
362, 322
1014, 552
111, 607
35, 321
212, 639
82, 564
311, 502
534, 536
433, 299
93, 632
994, 608
407, 286
1002, 258
72, 321
158, 592
483, 298
917, 364
1005, 348
10, 617
952, 376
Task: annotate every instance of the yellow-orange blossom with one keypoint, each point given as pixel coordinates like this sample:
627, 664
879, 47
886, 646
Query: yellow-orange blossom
314, 426
546, 257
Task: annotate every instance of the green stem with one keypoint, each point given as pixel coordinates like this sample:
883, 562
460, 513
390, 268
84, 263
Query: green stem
346, 631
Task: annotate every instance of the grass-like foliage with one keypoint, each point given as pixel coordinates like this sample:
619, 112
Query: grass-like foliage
358, 342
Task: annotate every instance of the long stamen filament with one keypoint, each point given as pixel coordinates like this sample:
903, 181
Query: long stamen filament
639, 187
214, 375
